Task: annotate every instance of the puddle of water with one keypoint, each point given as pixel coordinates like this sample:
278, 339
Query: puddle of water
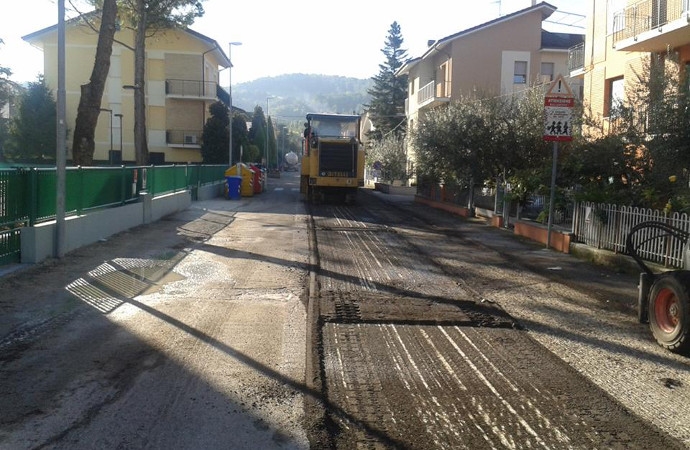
167, 278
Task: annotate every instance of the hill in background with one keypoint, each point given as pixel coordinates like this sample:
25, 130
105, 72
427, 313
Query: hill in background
295, 95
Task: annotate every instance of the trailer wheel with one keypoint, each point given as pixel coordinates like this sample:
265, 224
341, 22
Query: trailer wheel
669, 311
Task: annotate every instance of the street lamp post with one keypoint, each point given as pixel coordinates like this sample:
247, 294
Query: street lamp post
230, 101
267, 116
283, 150
60, 137
119, 116
110, 111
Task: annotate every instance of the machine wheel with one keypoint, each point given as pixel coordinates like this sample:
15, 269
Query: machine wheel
669, 311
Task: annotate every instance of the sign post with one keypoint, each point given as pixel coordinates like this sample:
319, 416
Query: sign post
558, 108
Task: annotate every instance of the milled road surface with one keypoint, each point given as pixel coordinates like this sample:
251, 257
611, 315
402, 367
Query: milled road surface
238, 324
418, 353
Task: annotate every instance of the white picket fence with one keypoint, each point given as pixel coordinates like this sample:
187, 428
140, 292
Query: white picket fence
607, 226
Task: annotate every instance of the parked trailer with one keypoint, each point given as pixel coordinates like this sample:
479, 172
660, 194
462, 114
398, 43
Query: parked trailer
332, 159
663, 298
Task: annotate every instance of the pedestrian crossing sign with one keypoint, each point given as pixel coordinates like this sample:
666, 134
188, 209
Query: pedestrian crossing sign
558, 111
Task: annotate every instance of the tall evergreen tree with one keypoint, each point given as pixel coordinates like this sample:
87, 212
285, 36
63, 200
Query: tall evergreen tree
257, 133
146, 17
34, 129
272, 145
214, 147
240, 137
5, 84
8, 90
387, 107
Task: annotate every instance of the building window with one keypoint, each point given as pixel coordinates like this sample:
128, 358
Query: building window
520, 72
547, 69
616, 97
411, 87
659, 13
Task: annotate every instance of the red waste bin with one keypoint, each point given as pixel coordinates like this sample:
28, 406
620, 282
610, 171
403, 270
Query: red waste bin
258, 178
258, 184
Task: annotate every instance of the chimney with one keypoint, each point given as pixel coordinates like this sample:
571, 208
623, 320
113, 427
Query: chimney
430, 42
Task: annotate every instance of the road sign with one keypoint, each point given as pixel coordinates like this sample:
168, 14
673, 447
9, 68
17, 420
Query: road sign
558, 111
559, 88
558, 114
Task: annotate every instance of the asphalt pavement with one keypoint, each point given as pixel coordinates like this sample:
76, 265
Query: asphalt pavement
595, 330
613, 275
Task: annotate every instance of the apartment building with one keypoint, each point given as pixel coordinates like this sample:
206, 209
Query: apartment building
503, 56
623, 38
182, 81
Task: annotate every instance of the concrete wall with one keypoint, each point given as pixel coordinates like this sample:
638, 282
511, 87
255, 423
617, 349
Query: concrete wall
395, 190
38, 242
210, 191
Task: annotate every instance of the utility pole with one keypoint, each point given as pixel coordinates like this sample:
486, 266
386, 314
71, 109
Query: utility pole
61, 139
230, 101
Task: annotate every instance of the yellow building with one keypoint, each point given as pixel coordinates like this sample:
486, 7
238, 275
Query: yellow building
182, 76
622, 37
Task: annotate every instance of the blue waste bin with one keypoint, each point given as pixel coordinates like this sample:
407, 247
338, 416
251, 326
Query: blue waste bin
233, 184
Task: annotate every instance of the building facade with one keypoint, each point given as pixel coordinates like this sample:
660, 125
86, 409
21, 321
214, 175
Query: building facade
504, 56
182, 81
624, 38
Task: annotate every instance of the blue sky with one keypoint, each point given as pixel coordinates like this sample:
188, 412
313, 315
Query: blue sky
282, 37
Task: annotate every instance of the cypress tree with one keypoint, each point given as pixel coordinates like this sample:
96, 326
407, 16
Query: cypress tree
214, 147
387, 107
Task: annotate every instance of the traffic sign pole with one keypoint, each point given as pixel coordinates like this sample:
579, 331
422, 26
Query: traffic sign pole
554, 168
558, 107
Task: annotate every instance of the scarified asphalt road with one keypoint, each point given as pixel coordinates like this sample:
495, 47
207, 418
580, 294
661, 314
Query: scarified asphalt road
248, 324
419, 353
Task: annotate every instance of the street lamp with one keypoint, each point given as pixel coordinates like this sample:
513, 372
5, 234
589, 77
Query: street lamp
119, 116
111, 131
267, 115
283, 151
230, 101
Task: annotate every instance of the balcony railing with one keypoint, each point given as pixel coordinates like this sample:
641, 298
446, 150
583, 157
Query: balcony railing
576, 57
432, 94
191, 89
183, 138
647, 15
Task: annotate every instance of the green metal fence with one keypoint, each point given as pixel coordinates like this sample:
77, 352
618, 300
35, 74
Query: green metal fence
14, 213
28, 195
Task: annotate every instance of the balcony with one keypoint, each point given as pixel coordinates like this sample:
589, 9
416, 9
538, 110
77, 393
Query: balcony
191, 89
652, 26
576, 59
183, 138
432, 94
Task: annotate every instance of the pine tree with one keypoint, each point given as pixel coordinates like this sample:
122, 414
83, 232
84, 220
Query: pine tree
146, 18
387, 107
